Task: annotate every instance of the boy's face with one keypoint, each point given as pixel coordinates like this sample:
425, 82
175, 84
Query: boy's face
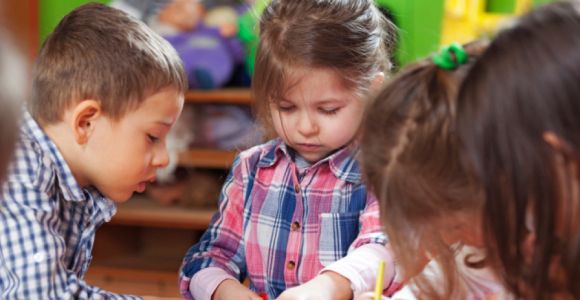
122, 156
318, 114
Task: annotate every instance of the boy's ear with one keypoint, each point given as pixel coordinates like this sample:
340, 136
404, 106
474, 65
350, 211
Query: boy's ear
377, 81
83, 119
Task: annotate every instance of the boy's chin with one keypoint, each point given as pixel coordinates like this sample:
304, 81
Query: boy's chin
120, 197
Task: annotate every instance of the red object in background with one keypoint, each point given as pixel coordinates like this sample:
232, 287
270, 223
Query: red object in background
264, 296
20, 19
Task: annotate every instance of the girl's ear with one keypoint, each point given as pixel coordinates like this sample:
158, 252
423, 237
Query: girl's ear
568, 184
377, 81
85, 113
557, 143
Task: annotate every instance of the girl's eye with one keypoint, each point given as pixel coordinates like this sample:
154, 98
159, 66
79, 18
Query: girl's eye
329, 110
152, 139
286, 108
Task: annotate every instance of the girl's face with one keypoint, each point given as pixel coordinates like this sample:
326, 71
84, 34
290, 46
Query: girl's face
464, 228
318, 114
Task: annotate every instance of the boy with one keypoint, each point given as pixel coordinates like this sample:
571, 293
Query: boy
106, 90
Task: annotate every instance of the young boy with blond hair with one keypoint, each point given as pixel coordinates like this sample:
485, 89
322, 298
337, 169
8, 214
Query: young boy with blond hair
106, 91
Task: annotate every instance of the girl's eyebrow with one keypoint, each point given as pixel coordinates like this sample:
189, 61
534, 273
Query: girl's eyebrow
330, 101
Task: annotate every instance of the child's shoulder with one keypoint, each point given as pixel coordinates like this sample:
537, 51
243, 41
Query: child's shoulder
28, 167
31, 165
260, 151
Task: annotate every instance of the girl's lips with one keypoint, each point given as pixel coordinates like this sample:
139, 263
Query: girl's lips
308, 147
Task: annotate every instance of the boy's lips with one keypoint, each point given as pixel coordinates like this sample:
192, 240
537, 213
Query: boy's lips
141, 186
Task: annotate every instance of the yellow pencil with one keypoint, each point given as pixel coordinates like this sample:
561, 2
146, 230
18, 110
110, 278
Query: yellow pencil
379, 283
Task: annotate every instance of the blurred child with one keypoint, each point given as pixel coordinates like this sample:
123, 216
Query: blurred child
106, 90
12, 84
410, 156
519, 118
294, 216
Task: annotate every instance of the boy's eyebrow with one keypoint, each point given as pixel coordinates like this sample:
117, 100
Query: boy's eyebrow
164, 123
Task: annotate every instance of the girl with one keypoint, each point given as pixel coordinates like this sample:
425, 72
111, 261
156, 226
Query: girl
429, 207
294, 216
518, 117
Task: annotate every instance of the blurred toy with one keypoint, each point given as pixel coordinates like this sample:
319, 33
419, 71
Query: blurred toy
206, 40
226, 127
178, 140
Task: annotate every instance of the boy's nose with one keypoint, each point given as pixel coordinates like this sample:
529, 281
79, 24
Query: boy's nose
161, 158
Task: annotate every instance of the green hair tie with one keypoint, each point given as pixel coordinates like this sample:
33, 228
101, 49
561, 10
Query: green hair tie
450, 57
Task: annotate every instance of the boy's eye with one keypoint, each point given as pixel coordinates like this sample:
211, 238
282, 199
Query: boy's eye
152, 138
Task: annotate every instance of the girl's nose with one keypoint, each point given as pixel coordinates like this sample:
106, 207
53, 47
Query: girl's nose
307, 126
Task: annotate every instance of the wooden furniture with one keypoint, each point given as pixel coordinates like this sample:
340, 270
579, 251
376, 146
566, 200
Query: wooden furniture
140, 250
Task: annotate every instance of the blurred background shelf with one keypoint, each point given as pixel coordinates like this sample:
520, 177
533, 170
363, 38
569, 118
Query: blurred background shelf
221, 96
142, 211
207, 158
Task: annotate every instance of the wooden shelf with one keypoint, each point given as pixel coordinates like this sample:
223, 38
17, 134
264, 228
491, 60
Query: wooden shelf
207, 158
142, 211
222, 96
135, 281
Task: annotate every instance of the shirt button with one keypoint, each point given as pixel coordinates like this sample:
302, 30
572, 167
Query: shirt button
297, 188
290, 266
295, 226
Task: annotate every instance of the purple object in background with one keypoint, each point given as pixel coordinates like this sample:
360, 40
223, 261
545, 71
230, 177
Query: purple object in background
209, 59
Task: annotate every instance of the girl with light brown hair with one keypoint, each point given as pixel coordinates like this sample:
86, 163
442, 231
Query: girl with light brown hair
411, 158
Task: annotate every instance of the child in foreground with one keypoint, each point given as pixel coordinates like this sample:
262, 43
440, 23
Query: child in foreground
518, 117
294, 216
12, 85
411, 158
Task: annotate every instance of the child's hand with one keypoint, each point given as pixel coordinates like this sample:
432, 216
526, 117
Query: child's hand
326, 286
232, 289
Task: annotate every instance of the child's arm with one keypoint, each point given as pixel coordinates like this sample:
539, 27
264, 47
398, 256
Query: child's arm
219, 255
326, 286
33, 251
368, 249
233, 289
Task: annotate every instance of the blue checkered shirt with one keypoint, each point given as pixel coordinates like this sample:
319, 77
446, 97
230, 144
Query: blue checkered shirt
47, 224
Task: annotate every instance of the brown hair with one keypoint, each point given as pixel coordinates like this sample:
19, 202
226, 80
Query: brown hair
410, 160
527, 83
351, 37
12, 86
99, 52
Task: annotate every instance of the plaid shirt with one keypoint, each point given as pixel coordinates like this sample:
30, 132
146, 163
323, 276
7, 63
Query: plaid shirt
280, 226
47, 224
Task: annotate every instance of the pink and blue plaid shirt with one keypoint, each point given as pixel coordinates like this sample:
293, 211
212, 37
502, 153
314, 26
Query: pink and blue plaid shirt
280, 226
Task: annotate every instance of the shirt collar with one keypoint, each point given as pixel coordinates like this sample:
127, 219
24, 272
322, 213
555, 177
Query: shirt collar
66, 181
343, 163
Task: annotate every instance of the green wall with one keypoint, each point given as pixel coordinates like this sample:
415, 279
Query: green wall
420, 21
420, 24
51, 11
